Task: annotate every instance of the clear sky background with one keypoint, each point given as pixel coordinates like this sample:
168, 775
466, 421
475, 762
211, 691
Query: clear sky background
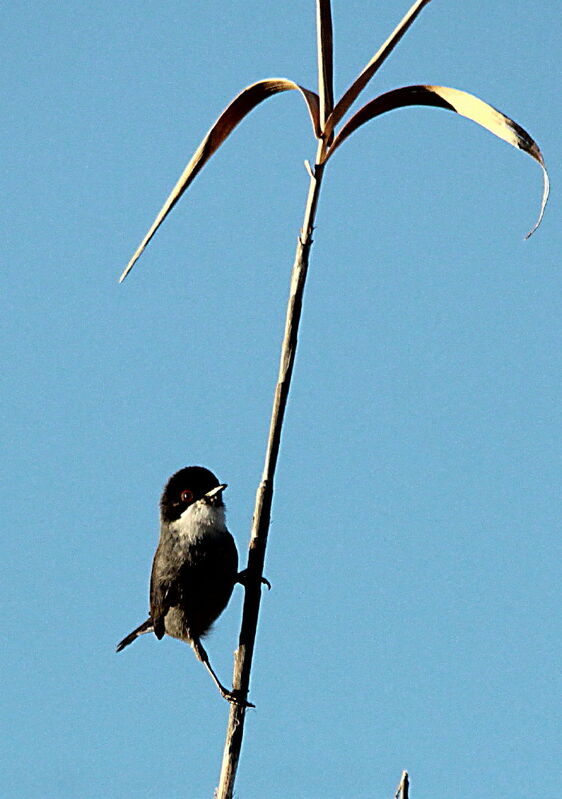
415, 545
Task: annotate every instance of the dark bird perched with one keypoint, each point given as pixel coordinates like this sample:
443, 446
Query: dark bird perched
195, 566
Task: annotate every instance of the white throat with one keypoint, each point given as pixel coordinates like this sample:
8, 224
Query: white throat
198, 521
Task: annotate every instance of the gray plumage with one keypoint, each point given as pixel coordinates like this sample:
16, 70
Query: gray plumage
195, 566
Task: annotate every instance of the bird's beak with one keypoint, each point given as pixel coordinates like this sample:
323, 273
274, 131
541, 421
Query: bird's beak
216, 490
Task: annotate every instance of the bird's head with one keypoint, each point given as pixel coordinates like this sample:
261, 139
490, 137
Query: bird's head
188, 486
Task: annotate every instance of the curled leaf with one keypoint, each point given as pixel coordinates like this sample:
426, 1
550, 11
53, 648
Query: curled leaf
467, 105
376, 61
240, 107
325, 43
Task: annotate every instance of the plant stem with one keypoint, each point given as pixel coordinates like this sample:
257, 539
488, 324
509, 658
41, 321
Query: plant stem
264, 496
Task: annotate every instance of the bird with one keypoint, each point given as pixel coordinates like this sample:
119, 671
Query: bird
195, 566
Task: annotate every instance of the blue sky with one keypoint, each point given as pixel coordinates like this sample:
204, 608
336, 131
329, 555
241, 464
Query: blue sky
415, 543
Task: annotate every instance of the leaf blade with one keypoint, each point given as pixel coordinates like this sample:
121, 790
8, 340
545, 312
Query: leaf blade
232, 115
462, 103
325, 47
349, 97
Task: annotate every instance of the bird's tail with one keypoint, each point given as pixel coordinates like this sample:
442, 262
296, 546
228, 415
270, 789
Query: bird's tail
145, 627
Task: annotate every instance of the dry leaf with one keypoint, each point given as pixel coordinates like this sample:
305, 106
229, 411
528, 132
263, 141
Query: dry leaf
467, 105
376, 61
240, 107
325, 59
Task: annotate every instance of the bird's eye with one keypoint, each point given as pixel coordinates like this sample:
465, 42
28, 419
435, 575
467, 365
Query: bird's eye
186, 496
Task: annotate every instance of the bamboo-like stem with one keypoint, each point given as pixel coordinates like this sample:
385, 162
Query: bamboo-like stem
264, 496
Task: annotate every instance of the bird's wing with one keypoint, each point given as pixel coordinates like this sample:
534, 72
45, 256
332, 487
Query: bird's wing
159, 605
163, 589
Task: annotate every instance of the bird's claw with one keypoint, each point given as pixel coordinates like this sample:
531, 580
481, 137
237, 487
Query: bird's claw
242, 578
234, 698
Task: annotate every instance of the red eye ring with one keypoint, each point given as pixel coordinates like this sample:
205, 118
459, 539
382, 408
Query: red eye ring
186, 495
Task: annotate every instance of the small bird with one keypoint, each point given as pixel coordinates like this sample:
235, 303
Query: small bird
195, 566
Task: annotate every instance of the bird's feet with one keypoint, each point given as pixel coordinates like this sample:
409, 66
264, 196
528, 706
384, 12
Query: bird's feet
234, 698
242, 578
